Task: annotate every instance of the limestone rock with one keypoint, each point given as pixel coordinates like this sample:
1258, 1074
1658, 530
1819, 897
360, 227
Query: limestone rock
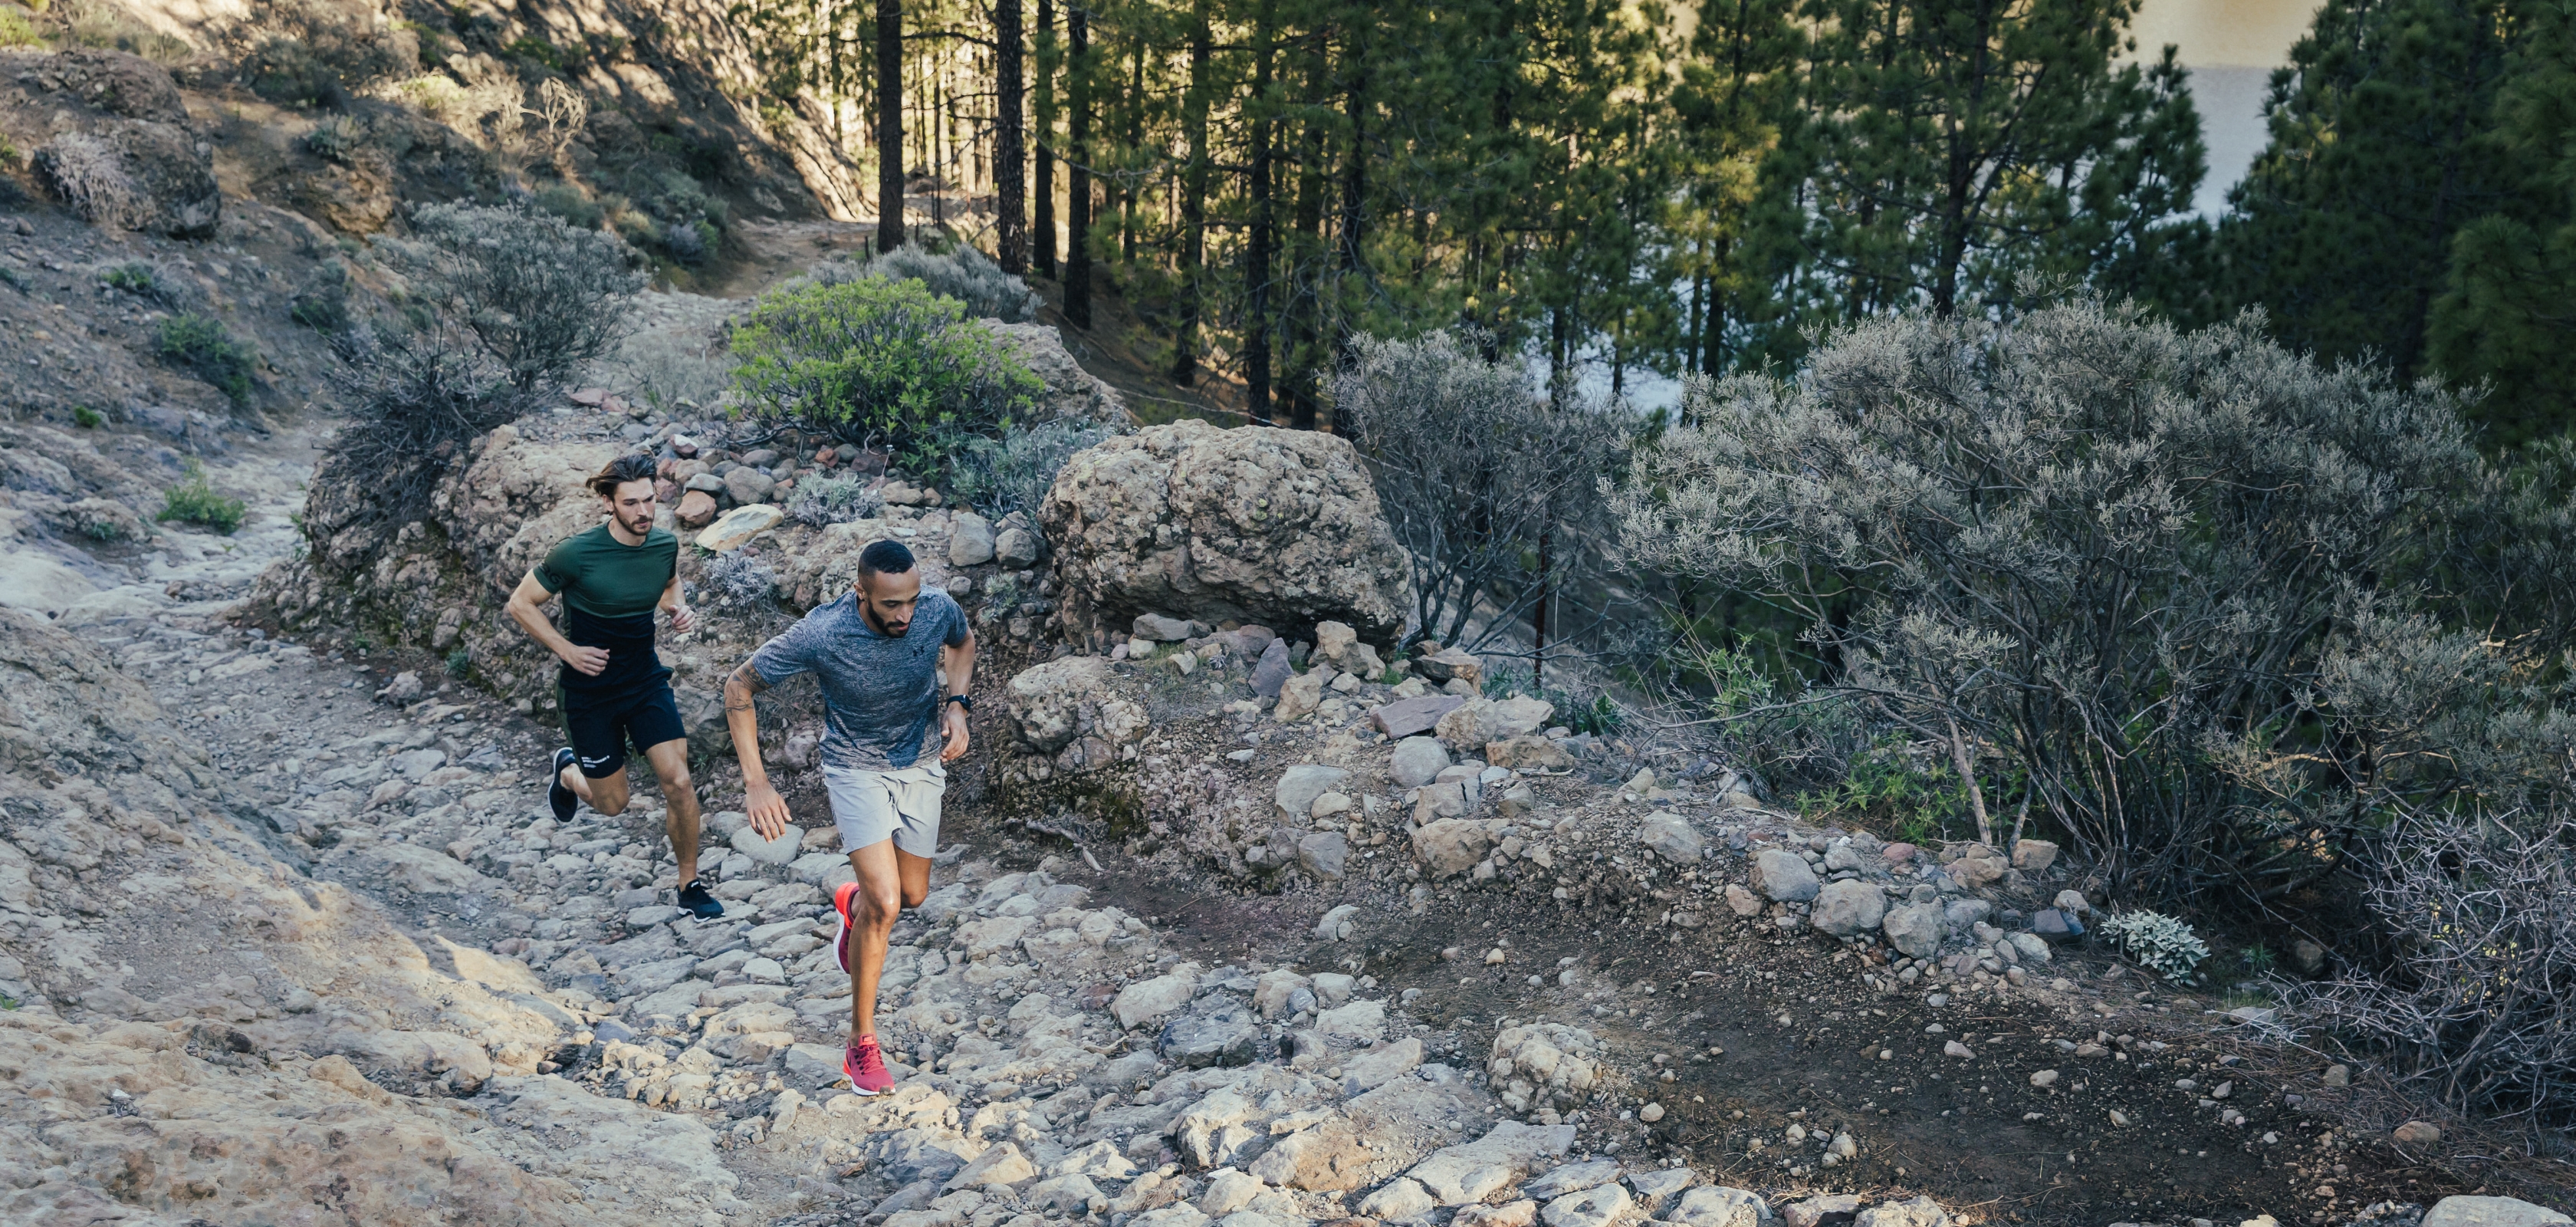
1719, 1206
1451, 846
739, 525
1599, 1206
1848, 908
970, 540
1401, 1200
1416, 761
1532, 753
1323, 855
1411, 717
2034, 855
1784, 876
1299, 696
1478, 721
1071, 392
1915, 929
1672, 837
1300, 785
1469, 1173
777, 851
1148, 1000
1329, 1157
1073, 716
1276, 527
2490, 1212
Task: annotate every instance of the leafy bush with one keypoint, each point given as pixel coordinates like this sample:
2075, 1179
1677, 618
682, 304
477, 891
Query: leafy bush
17, 31
822, 501
203, 346
997, 476
954, 271
1493, 488
2157, 942
540, 296
86, 418
195, 501
322, 303
1903, 787
567, 202
2120, 552
459, 663
881, 364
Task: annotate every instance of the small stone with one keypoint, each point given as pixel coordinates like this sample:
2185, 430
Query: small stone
2034, 855
777, 851
1784, 876
647, 917
2055, 925
999, 1165
1300, 785
1402, 1200
697, 509
1016, 548
1598, 1206
1720, 1206
1672, 837
1272, 671
1323, 855
1407, 718
2044, 1079
970, 540
1956, 1049
2418, 1133
1299, 696
2338, 1075
1915, 930
1651, 1113
1160, 628
1848, 908
1417, 761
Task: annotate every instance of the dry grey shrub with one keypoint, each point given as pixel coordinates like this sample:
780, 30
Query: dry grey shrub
2116, 553
736, 580
1491, 487
823, 501
510, 302
955, 271
89, 174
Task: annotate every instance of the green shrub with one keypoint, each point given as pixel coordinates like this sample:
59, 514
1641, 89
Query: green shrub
17, 31
2155, 941
338, 138
567, 202
309, 53
203, 346
195, 501
459, 663
86, 418
998, 476
881, 364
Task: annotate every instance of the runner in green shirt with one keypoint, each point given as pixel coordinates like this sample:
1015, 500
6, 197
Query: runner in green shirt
615, 691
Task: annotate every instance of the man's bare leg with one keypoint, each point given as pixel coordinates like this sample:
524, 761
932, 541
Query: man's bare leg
670, 762
890, 879
607, 794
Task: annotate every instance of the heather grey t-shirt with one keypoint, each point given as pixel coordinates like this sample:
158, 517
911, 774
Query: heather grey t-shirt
880, 694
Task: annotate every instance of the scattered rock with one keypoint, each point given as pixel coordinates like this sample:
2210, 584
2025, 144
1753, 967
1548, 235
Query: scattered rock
1784, 876
2491, 1212
1672, 837
1416, 761
2418, 1133
1300, 785
970, 540
1848, 908
1719, 1206
739, 525
1915, 930
1451, 846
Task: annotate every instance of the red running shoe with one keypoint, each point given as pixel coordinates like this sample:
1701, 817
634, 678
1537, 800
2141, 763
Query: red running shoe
866, 1068
842, 897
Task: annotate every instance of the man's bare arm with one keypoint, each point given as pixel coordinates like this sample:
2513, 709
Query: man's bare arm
766, 809
959, 664
683, 618
525, 608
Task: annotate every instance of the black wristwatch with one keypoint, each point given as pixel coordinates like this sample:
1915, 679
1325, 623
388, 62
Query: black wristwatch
962, 701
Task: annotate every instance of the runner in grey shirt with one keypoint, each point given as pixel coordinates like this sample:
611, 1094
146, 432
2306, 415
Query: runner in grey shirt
878, 653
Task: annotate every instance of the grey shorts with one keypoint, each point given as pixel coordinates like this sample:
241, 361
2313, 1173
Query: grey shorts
870, 806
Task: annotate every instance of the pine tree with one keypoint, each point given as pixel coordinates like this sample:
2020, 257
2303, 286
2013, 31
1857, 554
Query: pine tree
2343, 230
2507, 317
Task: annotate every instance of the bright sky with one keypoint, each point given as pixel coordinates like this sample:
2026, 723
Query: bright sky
2225, 33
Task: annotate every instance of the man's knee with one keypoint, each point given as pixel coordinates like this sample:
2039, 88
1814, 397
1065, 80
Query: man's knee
913, 895
676, 785
608, 795
880, 907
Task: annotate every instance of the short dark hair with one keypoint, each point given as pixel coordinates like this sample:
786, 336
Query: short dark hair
633, 466
884, 558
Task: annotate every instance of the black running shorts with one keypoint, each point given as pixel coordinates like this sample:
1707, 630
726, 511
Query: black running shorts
603, 726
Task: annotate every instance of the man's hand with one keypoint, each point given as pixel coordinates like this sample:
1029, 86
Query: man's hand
767, 809
683, 619
587, 662
953, 726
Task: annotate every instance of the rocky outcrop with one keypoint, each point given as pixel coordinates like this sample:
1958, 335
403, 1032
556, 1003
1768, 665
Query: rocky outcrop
119, 151
1072, 717
1279, 528
1072, 392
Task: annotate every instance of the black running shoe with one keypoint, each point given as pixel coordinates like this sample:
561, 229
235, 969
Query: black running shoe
564, 800
704, 906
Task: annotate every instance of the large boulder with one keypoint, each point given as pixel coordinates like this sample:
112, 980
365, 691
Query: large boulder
1071, 391
134, 174
1276, 527
1070, 717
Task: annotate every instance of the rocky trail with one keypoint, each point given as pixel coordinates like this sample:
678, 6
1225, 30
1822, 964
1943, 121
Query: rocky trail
293, 940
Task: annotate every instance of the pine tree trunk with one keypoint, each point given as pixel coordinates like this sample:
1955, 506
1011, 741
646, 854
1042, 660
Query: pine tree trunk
1258, 257
889, 124
1077, 205
1305, 288
1354, 222
1042, 191
1010, 152
1194, 184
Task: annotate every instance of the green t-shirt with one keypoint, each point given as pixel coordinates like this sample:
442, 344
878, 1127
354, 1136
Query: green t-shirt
609, 591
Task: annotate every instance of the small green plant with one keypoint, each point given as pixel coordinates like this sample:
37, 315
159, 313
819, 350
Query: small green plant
195, 501
361, 644
337, 138
17, 31
145, 280
2258, 959
1912, 795
203, 346
86, 418
2157, 942
459, 662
